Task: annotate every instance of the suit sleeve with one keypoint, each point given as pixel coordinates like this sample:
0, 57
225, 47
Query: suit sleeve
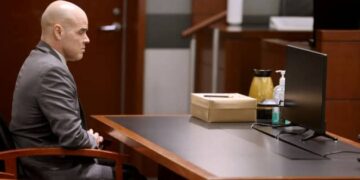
58, 101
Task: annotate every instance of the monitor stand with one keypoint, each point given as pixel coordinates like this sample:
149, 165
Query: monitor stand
315, 134
277, 130
300, 131
306, 139
291, 129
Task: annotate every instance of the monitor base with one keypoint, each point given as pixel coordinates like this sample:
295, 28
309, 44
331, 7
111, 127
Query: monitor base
315, 134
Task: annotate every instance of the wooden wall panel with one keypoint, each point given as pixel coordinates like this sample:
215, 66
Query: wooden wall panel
241, 57
343, 118
14, 47
343, 69
343, 85
203, 61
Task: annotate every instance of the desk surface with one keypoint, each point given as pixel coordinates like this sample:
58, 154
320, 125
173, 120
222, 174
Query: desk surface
200, 150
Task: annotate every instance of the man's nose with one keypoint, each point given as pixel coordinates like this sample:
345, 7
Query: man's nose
87, 39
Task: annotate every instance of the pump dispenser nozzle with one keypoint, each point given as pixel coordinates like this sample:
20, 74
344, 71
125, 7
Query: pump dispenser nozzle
282, 78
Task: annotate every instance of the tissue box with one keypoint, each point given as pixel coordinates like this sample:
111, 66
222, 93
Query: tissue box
223, 107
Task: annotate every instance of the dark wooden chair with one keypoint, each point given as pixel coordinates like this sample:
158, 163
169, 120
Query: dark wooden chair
9, 155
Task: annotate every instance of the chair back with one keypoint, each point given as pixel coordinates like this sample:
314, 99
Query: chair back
6, 142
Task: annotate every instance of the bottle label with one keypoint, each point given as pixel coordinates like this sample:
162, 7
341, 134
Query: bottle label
275, 120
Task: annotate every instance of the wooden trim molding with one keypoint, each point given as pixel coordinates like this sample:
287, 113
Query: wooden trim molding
205, 23
134, 60
338, 35
345, 140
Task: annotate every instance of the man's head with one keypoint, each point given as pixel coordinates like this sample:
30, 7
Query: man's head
64, 26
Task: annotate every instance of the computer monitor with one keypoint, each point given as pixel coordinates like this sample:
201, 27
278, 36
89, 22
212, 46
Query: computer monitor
305, 89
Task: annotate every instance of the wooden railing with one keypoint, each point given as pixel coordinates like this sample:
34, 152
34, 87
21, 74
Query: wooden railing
205, 23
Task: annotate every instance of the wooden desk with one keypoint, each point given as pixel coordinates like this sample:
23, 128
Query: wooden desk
198, 150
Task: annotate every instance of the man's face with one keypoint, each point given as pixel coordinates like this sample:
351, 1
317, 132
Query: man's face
75, 38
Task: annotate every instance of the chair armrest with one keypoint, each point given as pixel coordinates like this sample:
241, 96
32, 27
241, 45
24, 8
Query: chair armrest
10, 156
4, 175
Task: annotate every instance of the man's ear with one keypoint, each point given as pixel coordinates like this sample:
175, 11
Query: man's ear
58, 31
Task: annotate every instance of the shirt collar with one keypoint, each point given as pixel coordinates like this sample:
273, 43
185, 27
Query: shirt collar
61, 57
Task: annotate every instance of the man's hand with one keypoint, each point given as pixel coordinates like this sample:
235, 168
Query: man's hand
99, 139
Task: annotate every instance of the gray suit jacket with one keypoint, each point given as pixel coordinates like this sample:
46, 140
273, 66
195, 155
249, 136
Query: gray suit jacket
46, 113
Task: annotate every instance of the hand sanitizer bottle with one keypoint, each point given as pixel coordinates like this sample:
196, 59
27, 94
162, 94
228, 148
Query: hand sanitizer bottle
279, 90
275, 116
279, 94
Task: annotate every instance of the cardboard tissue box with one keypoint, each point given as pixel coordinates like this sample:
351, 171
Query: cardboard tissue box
223, 107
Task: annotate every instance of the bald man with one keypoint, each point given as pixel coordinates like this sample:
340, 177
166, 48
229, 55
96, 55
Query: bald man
45, 109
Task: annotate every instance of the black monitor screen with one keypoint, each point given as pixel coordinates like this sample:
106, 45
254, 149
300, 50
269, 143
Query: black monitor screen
305, 89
